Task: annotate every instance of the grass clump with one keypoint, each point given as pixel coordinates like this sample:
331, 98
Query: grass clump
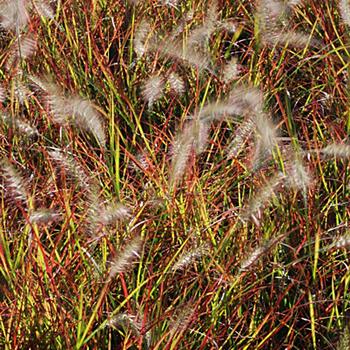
174, 175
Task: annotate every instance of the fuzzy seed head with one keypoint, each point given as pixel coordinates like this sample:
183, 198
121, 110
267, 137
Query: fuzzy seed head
344, 8
20, 125
2, 94
176, 83
43, 8
182, 320
299, 177
241, 135
230, 71
126, 257
14, 183
141, 35
190, 257
72, 168
72, 109
153, 89
44, 216
263, 196
337, 150
14, 14
114, 213
181, 152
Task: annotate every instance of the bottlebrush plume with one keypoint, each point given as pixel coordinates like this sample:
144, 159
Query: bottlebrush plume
2, 94
153, 89
23, 48
183, 319
86, 117
124, 259
72, 109
194, 137
14, 14
230, 71
241, 135
141, 36
43, 216
262, 197
295, 39
344, 8
181, 152
113, 213
242, 101
253, 258
337, 150
43, 8
190, 257
20, 125
272, 15
298, 176
341, 241
201, 34
72, 167
14, 183
265, 139
187, 54
176, 83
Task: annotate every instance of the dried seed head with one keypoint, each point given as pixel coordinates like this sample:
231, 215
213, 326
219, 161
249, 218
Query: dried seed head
200, 35
194, 137
181, 152
229, 25
153, 89
344, 341
126, 257
248, 100
86, 117
21, 125
141, 35
241, 135
230, 71
262, 197
43, 8
337, 150
44, 216
22, 48
170, 3
72, 109
176, 83
14, 183
252, 259
113, 213
220, 110
72, 167
128, 320
257, 253
188, 258
266, 139
295, 39
183, 319
344, 8
14, 14
185, 54
200, 135
298, 176
270, 13
21, 91
2, 94
341, 241
266, 131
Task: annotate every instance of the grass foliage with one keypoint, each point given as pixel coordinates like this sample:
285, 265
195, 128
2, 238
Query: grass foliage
174, 174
